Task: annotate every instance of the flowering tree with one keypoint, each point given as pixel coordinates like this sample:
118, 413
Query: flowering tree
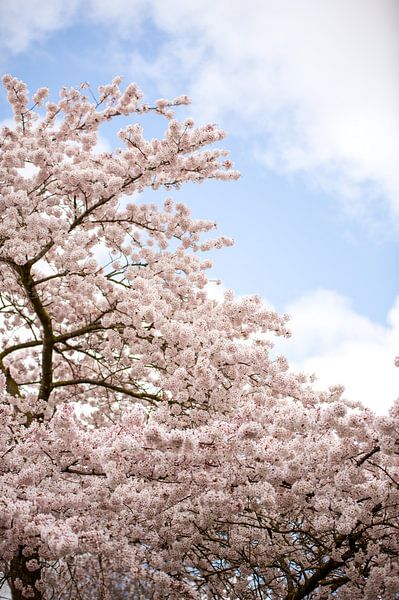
151, 446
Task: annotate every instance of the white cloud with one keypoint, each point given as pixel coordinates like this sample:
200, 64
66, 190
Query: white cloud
22, 23
315, 82
341, 346
215, 290
126, 15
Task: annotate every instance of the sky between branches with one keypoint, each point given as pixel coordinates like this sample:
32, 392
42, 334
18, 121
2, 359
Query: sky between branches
308, 93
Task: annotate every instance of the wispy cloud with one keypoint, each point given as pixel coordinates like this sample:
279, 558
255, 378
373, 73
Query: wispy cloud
23, 23
316, 83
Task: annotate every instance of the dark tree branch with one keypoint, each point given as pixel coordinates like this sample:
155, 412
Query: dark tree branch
116, 388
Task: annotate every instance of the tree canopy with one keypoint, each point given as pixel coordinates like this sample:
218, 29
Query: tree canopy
152, 446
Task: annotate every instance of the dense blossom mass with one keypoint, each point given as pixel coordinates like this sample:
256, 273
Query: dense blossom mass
152, 447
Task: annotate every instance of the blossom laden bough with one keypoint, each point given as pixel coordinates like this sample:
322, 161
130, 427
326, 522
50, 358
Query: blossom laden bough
152, 446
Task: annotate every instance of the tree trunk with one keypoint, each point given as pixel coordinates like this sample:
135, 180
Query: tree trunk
22, 577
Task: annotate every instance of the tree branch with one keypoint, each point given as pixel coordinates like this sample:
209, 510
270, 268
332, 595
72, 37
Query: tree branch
116, 388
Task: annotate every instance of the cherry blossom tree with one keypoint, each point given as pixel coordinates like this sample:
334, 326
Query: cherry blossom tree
152, 446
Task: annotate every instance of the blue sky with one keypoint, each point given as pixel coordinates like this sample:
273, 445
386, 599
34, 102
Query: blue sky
308, 93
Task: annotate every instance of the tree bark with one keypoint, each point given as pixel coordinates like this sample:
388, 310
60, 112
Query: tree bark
19, 571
